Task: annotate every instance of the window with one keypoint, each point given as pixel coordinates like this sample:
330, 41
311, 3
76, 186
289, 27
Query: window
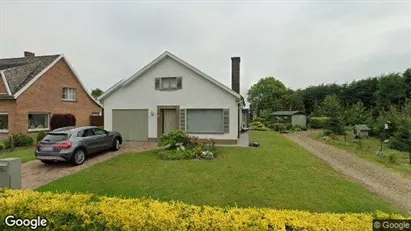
39, 121
56, 137
87, 133
168, 83
69, 94
209, 121
4, 122
99, 132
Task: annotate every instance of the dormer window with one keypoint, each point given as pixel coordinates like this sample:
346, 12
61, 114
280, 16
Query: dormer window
69, 94
168, 83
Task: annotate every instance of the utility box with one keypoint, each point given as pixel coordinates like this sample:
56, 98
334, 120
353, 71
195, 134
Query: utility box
10, 173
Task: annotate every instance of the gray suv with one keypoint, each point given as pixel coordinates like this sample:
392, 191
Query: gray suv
75, 144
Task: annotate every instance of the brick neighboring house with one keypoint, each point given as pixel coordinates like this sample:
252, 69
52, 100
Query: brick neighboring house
33, 88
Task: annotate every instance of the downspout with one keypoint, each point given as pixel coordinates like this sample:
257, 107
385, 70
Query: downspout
238, 119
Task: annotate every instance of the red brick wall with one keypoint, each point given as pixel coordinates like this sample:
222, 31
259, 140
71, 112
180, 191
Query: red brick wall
2, 86
45, 95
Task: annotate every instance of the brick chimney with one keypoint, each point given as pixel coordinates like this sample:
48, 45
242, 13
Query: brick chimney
235, 74
28, 54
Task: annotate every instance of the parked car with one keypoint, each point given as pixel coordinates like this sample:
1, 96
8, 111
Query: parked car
75, 144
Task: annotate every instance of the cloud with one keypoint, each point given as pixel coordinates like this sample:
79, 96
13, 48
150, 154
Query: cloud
301, 43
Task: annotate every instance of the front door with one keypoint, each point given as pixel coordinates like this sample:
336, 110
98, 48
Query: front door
169, 120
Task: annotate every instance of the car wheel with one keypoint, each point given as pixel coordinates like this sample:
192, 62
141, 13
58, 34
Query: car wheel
79, 156
116, 144
47, 161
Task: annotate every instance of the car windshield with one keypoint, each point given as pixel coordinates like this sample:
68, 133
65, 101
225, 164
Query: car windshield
56, 137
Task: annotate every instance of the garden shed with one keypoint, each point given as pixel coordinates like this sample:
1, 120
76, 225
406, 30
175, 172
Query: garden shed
361, 129
298, 118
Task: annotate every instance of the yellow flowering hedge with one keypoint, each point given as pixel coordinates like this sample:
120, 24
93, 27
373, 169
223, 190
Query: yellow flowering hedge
89, 212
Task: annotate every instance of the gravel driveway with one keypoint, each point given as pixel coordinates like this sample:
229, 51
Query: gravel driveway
36, 174
390, 185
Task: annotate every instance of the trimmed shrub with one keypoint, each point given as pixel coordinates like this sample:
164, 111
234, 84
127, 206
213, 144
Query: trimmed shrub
259, 119
40, 136
171, 139
90, 212
257, 124
19, 139
318, 122
62, 120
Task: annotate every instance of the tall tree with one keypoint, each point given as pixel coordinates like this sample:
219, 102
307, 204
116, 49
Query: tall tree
266, 94
391, 90
358, 114
96, 92
331, 106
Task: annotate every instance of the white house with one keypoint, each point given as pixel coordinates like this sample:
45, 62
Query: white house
169, 94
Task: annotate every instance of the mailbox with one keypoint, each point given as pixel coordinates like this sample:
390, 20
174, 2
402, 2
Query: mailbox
10, 173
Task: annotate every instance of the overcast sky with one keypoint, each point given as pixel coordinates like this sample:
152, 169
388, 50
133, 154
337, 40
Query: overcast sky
300, 43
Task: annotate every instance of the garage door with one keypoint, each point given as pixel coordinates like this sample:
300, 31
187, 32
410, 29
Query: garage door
132, 124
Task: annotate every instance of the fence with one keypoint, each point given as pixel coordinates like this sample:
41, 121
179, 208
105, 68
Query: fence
96, 120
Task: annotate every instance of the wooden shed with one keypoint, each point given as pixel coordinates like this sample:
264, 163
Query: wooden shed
293, 117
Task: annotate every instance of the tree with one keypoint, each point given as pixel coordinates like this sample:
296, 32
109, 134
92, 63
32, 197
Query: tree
266, 94
407, 79
331, 106
96, 92
391, 90
292, 101
358, 114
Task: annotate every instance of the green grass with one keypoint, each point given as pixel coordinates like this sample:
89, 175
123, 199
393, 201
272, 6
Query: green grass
278, 174
368, 150
26, 154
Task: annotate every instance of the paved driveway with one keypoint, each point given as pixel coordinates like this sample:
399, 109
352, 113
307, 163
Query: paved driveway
36, 174
390, 185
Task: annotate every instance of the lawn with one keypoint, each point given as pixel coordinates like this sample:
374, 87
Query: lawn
26, 154
278, 174
368, 150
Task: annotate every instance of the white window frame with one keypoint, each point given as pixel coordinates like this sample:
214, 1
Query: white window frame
5, 130
70, 95
169, 88
216, 109
39, 129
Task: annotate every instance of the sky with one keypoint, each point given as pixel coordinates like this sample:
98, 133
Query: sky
301, 43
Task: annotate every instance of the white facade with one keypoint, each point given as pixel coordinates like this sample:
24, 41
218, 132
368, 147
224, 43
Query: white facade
197, 92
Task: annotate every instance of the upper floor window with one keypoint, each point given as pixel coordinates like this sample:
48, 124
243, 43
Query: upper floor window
69, 94
168, 83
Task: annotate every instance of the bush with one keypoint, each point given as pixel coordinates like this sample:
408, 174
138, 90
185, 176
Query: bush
392, 157
288, 126
298, 128
20, 140
62, 120
259, 119
327, 132
257, 124
318, 122
278, 127
1, 147
171, 139
91, 212
40, 136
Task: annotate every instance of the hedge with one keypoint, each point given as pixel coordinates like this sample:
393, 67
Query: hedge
89, 212
318, 122
62, 120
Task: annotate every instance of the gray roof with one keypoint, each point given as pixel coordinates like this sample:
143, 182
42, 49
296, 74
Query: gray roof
19, 71
362, 127
286, 113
